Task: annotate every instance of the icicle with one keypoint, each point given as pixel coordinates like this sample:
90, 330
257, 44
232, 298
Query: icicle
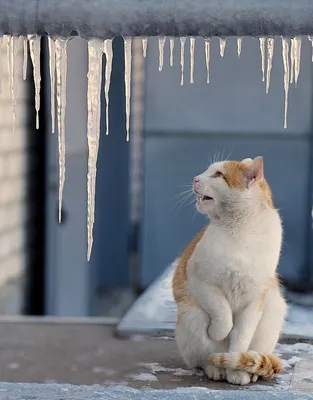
9, 59
34, 46
61, 72
172, 43
12, 75
182, 58
239, 45
311, 40
107, 49
222, 46
270, 53
192, 58
285, 54
162, 40
95, 50
1, 39
292, 59
207, 44
52, 80
262, 49
128, 66
144, 46
25, 58
297, 57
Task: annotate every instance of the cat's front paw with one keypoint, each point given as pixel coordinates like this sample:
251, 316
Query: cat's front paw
219, 330
215, 373
238, 377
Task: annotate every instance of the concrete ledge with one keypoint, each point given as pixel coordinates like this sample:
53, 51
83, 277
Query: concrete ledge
20, 391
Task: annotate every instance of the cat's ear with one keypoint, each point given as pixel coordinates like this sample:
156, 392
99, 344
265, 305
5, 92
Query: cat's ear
254, 171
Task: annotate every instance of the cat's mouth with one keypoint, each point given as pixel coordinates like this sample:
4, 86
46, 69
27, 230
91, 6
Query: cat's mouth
201, 197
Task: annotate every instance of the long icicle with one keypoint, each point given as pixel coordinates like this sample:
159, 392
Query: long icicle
9, 59
162, 40
108, 51
270, 53
292, 59
172, 44
34, 46
298, 42
262, 49
128, 68
207, 45
144, 46
25, 58
239, 45
95, 51
182, 58
61, 72
12, 75
52, 80
222, 46
192, 58
285, 54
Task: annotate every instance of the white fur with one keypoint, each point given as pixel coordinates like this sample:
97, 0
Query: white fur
231, 267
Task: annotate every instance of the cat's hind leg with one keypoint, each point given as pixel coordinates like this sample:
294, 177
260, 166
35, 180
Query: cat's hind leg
193, 340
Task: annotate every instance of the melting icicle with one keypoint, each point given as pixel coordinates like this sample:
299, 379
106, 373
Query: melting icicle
144, 46
25, 47
270, 53
297, 57
239, 45
95, 50
311, 40
285, 54
12, 74
34, 46
162, 40
107, 49
182, 58
61, 70
222, 46
172, 43
262, 49
192, 58
207, 44
52, 81
128, 66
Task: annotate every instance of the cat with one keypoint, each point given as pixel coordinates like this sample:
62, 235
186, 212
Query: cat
230, 307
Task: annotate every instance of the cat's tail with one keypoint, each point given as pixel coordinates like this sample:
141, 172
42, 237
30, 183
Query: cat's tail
265, 365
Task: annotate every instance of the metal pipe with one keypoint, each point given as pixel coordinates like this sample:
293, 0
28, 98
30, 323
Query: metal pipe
109, 18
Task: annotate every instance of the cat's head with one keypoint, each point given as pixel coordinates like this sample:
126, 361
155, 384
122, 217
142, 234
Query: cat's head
232, 186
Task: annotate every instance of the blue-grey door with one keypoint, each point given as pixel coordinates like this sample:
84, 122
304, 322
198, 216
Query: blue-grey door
185, 126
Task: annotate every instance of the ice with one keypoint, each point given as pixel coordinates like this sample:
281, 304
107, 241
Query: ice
311, 40
292, 59
262, 49
182, 58
297, 57
1, 41
61, 72
172, 44
192, 58
108, 51
207, 44
128, 67
144, 46
162, 40
11, 54
95, 52
25, 47
239, 45
270, 53
285, 54
52, 80
34, 47
222, 46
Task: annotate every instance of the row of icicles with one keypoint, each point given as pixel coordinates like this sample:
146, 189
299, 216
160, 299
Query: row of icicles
96, 49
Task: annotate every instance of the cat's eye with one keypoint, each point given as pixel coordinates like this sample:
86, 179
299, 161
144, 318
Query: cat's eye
217, 174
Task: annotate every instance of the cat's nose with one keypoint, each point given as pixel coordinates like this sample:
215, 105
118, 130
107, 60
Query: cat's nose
196, 179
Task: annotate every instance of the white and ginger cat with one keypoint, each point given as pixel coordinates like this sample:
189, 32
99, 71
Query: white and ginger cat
230, 309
